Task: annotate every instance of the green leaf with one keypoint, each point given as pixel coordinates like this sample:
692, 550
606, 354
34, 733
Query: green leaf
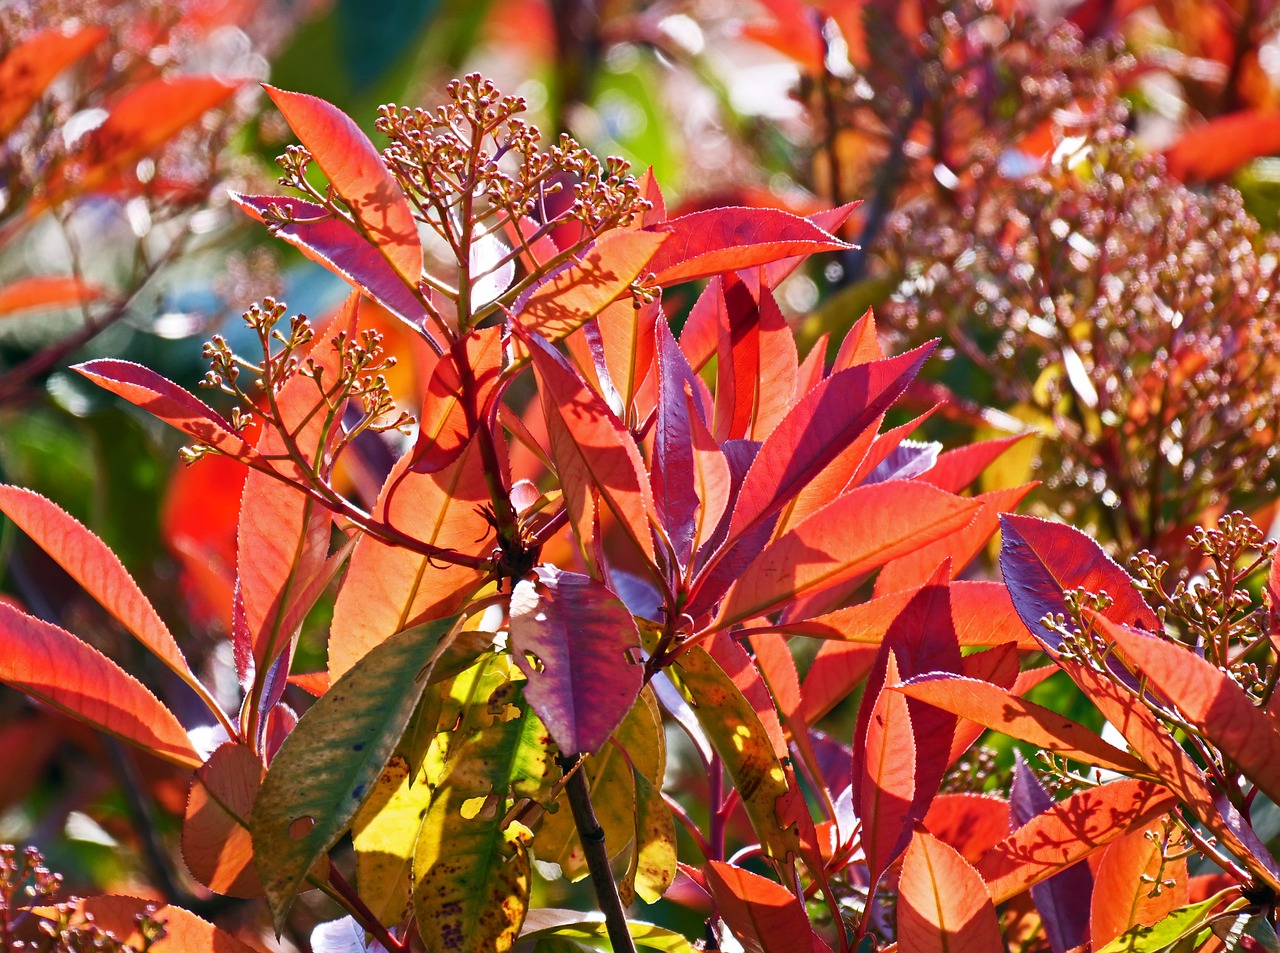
653, 855
472, 866
736, 732
331, 761
1183, 922
573, 925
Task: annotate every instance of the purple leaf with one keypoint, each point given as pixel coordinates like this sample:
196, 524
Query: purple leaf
577, 644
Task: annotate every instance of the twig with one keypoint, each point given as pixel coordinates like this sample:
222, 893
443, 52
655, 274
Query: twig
591, 834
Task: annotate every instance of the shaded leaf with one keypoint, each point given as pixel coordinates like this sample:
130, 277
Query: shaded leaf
1040, 560
943, 905
1070, 831
970, 823
884, 773
184, 931
574, 641
166, 400
52, 665
216, 843
574, 924
756, 363
445, 423
330, 762
762, 914
357, 173
653, 855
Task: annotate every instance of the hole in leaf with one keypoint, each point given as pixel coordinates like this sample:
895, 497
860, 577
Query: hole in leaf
471, 807
535, 663
301, 827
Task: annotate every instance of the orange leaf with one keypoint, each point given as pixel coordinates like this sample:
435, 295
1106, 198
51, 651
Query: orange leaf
1123, 882
215, 830
141, 121
943, 905
577, 292
91, 563
30, 66
38, 292
1209, 699
388, 588
888, 776
184, 931
1070, 831
763, 915
54, 666
960, 547
1001, 710
1220, 146
970, 823
357, 173
593, 452
858, 532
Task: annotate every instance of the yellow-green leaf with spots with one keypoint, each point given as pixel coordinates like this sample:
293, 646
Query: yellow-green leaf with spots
738, 736
653, 855
383, 833
471, 865
610, 777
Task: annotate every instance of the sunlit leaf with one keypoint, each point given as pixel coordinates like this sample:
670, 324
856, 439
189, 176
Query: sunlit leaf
762, 914
357, 173
1134, 884
579, 648
52, 665
943, 905
40, 292
29, 67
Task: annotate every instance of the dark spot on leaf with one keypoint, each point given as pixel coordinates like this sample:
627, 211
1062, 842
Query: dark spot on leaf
358, 791
357, 747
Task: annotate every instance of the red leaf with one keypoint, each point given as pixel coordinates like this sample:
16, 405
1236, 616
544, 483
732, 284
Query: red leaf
215, 830
690, 474
981, 612
956, 469
184, 931
388, 588
357, 173
38, 292
891, 518
860, 346
990, 667
593, 452
761, 914
943, 905
829, 220
91, 563
627, 334
1209, 699
28, 68
1002, 710
884, 776
445, 423
337, 246
283, 535
54, 666
824, 422
837, 670
575, 641
143, 119
726, 239
1123, 882
972, 824
164, 399
960, 547
1069, 832
756, 363
1223, 144
1040, 559
575, 293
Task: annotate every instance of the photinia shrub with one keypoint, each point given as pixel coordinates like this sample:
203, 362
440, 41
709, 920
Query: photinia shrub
592, 531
